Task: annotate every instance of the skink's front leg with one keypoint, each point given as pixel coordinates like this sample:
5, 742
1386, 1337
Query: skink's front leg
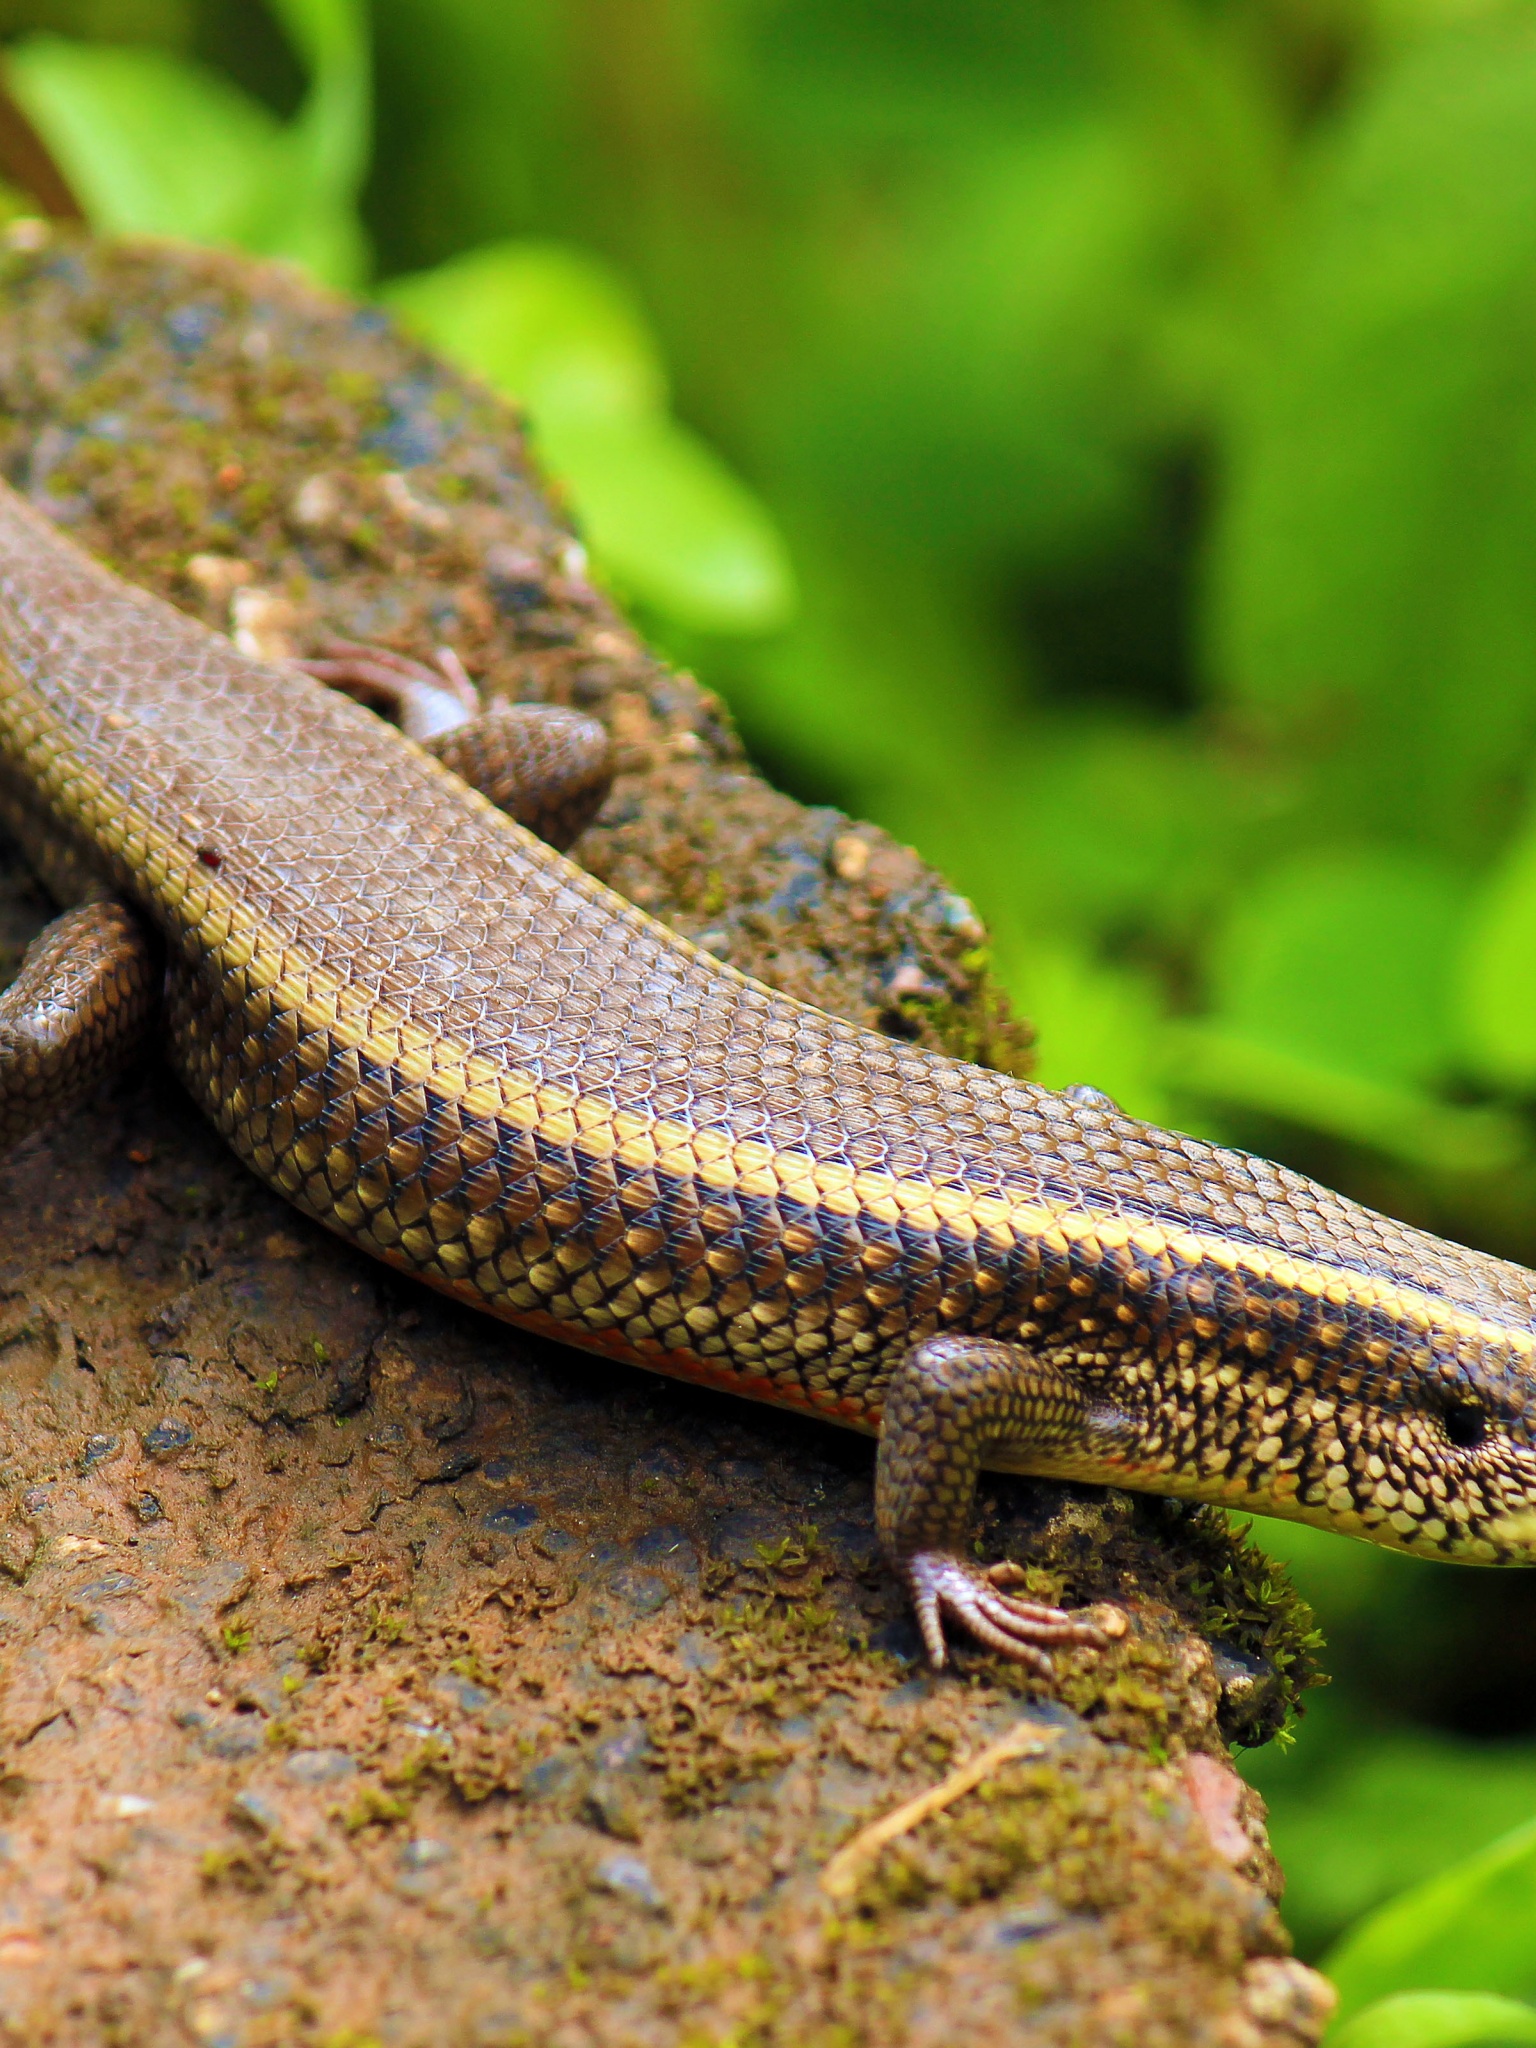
77, 1012
950, 1401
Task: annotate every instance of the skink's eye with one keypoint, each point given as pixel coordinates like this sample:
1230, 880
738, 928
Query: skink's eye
1465, 1424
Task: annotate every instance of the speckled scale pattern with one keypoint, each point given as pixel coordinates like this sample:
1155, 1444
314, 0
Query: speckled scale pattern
443, 1040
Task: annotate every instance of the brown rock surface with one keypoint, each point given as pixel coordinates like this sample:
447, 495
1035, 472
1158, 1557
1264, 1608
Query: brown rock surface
373, 1674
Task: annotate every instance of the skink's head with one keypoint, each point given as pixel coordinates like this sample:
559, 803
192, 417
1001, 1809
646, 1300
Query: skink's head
1392, 1413
1246, 1336
1443, 1454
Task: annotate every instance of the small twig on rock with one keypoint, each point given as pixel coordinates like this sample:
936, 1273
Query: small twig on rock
845, 1873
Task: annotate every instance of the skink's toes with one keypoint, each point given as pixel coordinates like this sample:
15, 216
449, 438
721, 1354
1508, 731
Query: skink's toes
1005, 1573
947, 1588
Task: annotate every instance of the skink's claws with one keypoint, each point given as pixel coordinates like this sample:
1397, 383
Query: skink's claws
945, 1587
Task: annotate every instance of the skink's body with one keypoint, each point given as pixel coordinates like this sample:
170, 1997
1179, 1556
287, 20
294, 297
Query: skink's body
441, 1039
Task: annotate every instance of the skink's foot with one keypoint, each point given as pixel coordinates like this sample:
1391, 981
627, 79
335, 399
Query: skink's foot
950, 1402
945, 1588
424, 702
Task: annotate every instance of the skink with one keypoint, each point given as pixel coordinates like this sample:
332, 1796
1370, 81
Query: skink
436, 1035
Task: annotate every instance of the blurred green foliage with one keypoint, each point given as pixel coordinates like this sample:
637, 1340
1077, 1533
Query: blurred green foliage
1468, 1927
1096, 438
1449, 1963
1438, 2019
554, 327
155, 143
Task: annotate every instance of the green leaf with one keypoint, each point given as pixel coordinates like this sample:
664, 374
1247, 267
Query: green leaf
983, 394
1439, 2019
1116, 825
672, 524
327, 142
1365, 1810
1469, 1929
1496, 972
156, 144
1375, 563
1330, 1007
1341, 957
1249, 1073
152, 144
1095, 1024
547, 324
555, 329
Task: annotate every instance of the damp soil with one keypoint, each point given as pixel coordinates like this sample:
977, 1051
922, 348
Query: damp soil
373, 1674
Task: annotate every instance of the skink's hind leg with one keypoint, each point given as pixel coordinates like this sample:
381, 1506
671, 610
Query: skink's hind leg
949, 1402
77, 1012
548, 767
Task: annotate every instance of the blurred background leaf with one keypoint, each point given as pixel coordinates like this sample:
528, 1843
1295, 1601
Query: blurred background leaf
557, 330
128, 125
1439, 2019
1374, 561
1468, 1928
1495, 982
155, 143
